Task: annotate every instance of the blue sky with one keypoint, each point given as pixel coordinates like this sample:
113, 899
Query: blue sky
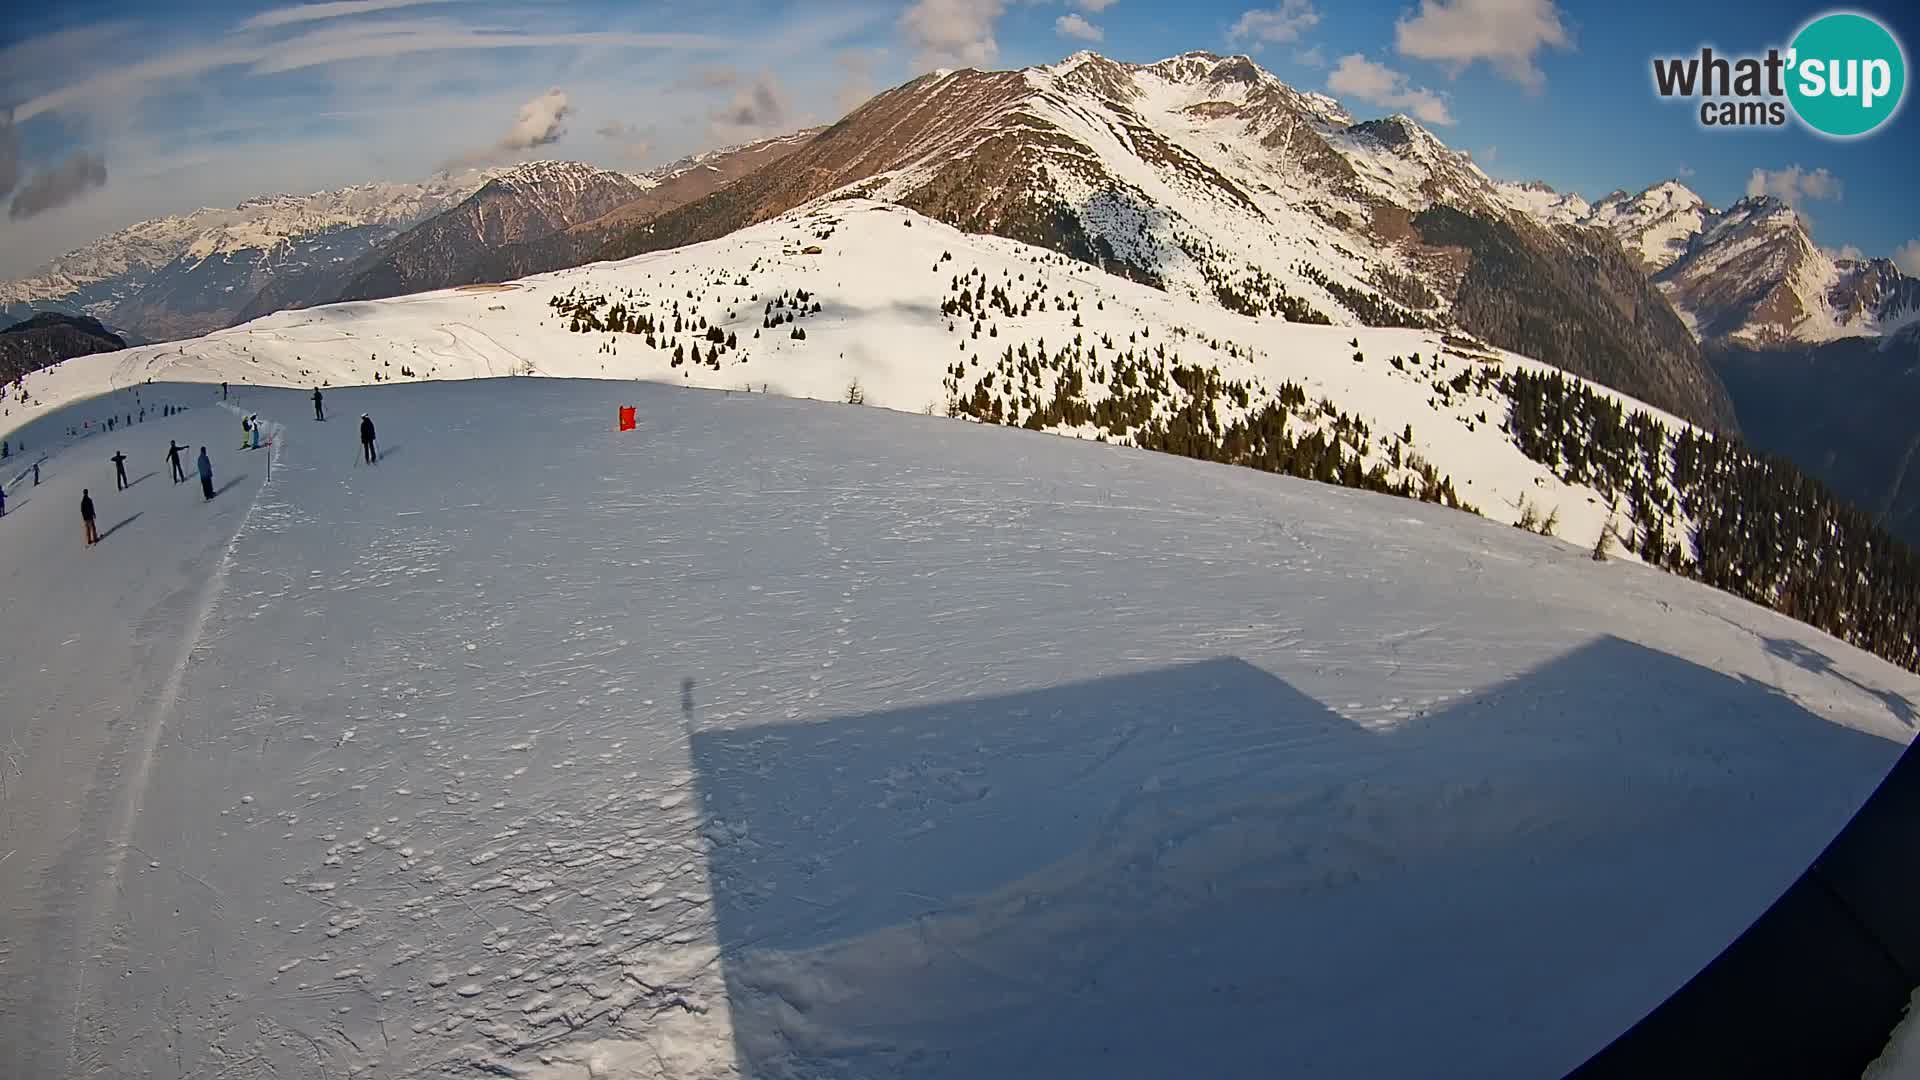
123, 111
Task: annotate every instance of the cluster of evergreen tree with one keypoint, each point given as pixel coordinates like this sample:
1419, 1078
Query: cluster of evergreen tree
1372, 309
662, 331
1760, 528
970, 298
787, 308
1260, 295
1159, 402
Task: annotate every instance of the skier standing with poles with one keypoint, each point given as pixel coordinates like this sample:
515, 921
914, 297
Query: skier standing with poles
174, 450
119, 460
366, 439
86, 515
319, 413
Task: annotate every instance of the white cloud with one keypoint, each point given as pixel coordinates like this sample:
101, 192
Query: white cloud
1355, 76
58, 186
1686, 171
756, 111
1277, 25
1075, 26
319, 49
330, 45
1093, 7
1907, 258
952, 33
1846, 251
1794, 185
331, 9
540, 122
1506, 34
1314, 57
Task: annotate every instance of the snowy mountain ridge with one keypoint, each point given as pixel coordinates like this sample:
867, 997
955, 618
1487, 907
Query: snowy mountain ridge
923, 318
1541, 201
1749, 275
1212, 179
527, 203
1655, 225
259, 222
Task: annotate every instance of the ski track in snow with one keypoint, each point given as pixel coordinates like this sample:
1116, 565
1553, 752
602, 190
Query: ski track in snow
808, 740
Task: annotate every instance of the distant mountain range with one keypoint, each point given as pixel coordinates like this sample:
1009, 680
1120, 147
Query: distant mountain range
1820, 354
186, 275
183, 275
1203, 175
529, 200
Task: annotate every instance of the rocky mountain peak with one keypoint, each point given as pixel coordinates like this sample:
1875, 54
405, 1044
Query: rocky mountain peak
1655, 225
1402, 134
550, 173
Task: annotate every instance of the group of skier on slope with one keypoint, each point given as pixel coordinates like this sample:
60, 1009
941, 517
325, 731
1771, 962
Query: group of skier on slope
366, 427
88, 513
250, 428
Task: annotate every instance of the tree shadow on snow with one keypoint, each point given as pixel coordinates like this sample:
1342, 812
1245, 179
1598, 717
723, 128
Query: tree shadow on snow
1200, 870
124, 522
1812, 660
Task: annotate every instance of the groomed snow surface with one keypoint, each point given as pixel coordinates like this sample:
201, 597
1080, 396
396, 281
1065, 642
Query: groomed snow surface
796, 739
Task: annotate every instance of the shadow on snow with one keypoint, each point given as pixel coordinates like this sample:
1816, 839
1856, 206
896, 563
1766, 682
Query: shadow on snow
1200, 870
123, 523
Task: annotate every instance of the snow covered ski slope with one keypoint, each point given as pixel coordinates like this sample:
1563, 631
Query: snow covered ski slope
920, 317
786, 738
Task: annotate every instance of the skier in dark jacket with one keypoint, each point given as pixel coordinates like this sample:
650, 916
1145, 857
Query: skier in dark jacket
366, 438
86, 515
119, 460
319, 413
174, 450
205, 465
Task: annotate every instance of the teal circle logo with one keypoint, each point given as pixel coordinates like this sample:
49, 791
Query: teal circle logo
1847, 76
